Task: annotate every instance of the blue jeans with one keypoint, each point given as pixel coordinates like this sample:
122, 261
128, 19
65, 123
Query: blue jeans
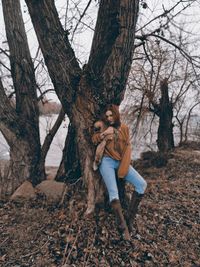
107, 169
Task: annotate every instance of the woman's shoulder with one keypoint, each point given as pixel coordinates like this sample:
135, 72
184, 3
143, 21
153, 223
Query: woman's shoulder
123, 126
124, 129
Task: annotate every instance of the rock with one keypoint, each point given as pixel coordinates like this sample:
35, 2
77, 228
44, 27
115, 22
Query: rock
172, 161
24, 192
196, 161
52, 190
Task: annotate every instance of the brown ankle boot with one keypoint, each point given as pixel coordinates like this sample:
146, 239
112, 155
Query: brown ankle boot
133, 209
116, 206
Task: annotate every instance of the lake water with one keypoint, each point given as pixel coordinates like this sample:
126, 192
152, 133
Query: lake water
139, 142
54, 155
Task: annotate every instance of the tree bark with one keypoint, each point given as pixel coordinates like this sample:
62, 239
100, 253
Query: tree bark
59, 57
165, 139
20, 126
83, 119
24, 161
85, 92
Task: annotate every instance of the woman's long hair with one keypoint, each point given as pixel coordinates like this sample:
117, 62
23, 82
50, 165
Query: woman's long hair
116, 115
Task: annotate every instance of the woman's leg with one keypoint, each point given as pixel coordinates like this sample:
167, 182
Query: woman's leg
136, 180
107, 170
140, 185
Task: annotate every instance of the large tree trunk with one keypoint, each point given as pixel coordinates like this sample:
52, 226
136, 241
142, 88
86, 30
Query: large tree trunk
25, 150
83, 119
25, 161
165, 139
22, 124
85, 92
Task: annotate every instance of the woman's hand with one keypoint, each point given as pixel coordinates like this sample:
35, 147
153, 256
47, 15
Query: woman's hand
109, 130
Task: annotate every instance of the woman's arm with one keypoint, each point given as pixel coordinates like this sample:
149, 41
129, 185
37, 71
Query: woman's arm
125, 162
106, 135
108, 131
96, 139
126, 157
100, 132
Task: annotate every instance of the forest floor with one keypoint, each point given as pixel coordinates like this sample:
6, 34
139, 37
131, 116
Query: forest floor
38, 234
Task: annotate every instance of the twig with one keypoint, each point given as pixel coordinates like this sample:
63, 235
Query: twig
4, 241
35, 252
79, 179
87, 256
81, 16
63, 195
66, 247
79, 230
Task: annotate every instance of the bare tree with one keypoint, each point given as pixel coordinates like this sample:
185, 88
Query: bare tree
157, 62
84, 92
20, 125
164, 110
19, 120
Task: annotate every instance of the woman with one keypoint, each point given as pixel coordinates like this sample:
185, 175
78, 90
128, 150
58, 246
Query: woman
117, 158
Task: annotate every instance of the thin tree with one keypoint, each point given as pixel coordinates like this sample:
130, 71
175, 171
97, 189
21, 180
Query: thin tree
159, 82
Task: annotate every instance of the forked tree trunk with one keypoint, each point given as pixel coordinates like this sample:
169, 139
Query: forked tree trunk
165, 139
85, 92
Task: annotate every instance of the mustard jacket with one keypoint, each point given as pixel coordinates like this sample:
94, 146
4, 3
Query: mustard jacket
118, 148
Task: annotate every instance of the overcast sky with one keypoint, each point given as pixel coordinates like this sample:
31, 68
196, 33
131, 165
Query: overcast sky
82, 41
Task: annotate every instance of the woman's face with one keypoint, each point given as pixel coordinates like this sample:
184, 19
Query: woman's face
109, 117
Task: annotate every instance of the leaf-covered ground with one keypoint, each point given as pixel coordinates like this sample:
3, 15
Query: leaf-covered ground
168, 224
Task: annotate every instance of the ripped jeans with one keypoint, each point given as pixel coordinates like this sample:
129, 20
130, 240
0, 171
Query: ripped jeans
107, 169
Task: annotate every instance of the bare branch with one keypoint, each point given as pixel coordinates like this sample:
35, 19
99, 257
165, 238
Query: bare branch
51, 134
166, 12
8, 116
2, 51
59, 56
81, 16
5, 66
66, 12
183, 52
